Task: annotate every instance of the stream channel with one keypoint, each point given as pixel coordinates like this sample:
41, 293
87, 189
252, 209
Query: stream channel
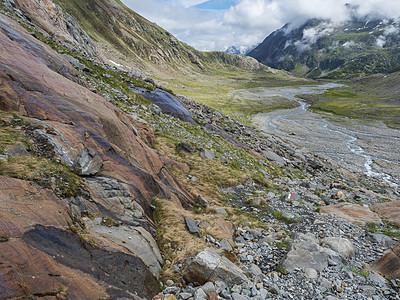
371, 148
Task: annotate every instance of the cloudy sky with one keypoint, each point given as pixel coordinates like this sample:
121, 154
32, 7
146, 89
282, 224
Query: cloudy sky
217, 24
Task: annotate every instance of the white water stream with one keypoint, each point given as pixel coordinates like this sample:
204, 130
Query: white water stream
344, 144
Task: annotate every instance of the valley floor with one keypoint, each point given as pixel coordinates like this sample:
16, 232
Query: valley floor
367, 147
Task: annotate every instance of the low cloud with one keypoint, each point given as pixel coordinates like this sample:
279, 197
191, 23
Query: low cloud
311, 35
381, 41
349, 44
391, 30
250, 21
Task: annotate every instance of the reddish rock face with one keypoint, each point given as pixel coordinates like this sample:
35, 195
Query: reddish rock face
24, 269
82, 117
389, 211
23, 205
353, 213
38, 256
389, 264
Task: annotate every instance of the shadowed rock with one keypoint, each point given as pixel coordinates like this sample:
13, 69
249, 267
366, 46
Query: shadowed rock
192, 227
185, 147
129, 273
168, 103
202, 201
389, 264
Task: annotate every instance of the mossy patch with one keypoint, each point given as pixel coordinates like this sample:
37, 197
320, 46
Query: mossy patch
57, 176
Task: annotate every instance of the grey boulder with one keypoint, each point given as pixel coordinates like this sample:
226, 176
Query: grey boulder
208, 265
305, 252
192, 227
272, 156
341, 246
207, 154
88, 162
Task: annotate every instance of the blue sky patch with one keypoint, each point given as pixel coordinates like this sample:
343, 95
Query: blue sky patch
217, 4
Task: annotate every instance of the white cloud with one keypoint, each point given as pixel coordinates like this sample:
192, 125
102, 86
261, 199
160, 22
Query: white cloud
349, 44
381, 41
249, 21
391, 30
189, 3
311, 35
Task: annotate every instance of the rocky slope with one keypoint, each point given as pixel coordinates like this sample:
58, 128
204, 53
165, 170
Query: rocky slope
323, 49
106, 195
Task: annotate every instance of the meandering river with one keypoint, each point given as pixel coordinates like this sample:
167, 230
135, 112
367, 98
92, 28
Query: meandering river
371, 148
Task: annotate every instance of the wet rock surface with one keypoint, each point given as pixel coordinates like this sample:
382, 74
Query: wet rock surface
168, 103
96, 263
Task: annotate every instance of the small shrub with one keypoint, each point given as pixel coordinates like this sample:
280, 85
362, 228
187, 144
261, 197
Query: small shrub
88, 214
109, 222
282, 270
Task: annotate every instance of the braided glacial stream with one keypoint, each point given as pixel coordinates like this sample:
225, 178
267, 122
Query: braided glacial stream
371, 149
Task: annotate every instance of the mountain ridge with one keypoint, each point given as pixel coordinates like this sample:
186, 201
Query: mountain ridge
322, 49
119, 32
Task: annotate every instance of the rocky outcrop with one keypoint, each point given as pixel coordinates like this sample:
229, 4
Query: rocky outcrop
389, 211
354, 213
75, 126
389, 264
46, 259
57, 24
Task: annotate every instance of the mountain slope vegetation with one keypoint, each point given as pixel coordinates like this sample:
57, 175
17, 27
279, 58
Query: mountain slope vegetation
110, 23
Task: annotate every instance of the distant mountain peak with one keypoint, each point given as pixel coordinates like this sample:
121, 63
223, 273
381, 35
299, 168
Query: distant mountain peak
240, 50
